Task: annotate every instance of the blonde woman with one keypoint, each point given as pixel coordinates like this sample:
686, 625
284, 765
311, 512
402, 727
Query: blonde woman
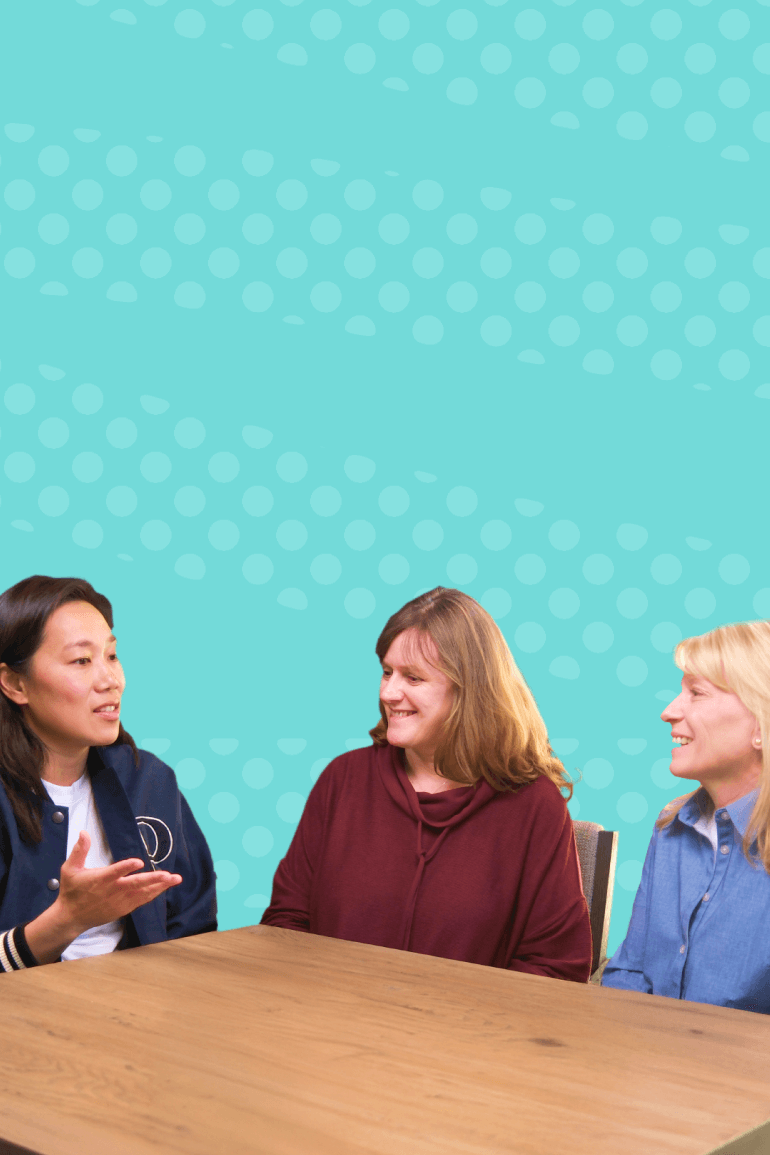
699, 928
449, 835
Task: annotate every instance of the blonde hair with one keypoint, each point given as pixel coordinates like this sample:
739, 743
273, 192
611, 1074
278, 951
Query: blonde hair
735, 658
494, 729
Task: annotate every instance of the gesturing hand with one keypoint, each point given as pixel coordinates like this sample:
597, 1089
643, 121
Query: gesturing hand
92, 896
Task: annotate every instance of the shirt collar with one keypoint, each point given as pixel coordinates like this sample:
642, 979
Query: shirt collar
739, 811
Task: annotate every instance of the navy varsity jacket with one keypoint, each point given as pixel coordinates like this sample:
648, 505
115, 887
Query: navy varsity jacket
145, 816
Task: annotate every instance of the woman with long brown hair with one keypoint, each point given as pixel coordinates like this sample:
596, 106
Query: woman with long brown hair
699, 927
449, 835
98, 848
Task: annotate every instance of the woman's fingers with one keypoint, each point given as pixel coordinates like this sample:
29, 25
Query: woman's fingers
77, 858
139, 889
148, 893
92, 896
126, 866
158, 881
77, 861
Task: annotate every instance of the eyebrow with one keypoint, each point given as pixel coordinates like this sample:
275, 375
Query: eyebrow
409, 668
86, 642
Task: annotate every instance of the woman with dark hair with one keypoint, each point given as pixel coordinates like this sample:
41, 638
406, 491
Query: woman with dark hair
81, 809
449, 835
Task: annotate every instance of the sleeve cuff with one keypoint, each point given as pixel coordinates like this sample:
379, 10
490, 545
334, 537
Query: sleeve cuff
15, 954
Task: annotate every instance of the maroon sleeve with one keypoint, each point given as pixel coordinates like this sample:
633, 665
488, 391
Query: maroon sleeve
290, 901
552, 920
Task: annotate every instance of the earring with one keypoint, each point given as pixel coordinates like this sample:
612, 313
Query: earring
758, 742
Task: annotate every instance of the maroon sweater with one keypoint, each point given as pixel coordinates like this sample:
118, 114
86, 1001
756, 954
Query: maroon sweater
470, 873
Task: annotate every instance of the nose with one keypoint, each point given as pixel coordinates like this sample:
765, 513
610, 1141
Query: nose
392, 691
672, 712
107, 676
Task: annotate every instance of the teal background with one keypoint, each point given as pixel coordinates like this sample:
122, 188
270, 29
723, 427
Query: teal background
476, 297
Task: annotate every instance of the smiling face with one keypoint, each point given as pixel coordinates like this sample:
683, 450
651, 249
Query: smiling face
416, 696
71, 694
717, 740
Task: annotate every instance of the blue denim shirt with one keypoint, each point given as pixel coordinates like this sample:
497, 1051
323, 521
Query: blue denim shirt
700, 927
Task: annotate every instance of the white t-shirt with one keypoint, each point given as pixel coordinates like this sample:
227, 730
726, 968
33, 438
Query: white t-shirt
83, 815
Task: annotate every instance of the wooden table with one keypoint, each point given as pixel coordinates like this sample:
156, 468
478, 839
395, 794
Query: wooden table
278, 1043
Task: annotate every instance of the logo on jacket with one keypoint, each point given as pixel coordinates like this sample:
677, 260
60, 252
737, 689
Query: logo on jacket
157, 838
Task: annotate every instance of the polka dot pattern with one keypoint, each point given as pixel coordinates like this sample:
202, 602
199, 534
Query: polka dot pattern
235, 228
393, 228
554, 555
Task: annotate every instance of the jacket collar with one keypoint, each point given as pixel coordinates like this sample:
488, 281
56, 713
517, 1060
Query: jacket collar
114, 808
121, 829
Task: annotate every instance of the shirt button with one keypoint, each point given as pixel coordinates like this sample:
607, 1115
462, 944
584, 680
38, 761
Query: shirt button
681, 950
724, 815
724, 849
706, 897
53, 884
57, 816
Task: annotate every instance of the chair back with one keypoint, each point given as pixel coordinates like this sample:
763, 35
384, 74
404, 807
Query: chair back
597, 853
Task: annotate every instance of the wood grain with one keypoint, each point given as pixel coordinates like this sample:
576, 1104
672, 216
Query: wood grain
278, 1043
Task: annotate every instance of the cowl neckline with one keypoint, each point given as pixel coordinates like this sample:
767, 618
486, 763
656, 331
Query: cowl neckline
445, 809
439, 811
444, 804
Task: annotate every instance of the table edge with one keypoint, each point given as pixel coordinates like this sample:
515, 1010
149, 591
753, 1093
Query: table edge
753, 1142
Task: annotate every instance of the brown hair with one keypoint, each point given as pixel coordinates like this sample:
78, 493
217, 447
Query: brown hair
494, 729
735, 658
24, 612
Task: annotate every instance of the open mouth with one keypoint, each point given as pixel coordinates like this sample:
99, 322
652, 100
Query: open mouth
109, 712
680, 740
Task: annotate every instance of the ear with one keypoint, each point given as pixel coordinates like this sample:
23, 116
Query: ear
12, 685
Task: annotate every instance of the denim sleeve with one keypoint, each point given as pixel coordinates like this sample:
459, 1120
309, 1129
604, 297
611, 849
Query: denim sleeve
625, 968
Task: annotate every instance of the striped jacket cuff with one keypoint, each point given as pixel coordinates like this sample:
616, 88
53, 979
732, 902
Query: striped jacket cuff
15, 955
